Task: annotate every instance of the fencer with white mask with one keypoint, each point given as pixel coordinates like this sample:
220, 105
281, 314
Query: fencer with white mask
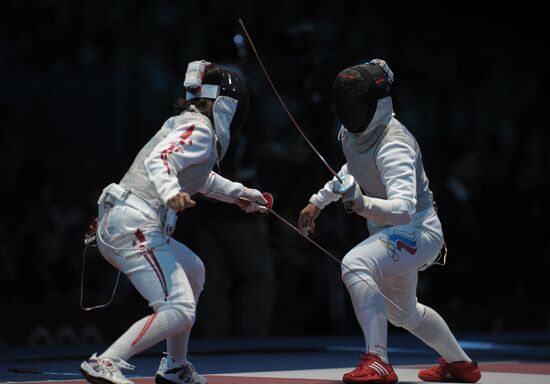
138, 215
384, 181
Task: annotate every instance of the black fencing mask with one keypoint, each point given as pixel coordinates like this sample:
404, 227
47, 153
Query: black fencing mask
356, 91
227, 87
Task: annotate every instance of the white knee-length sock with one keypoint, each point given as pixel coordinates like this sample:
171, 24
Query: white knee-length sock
178, 344
435, 332
147, 332
371, 314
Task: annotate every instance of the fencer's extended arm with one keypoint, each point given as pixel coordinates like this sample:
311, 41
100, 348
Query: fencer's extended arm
184, 146
396, 162
222, 189
326, 195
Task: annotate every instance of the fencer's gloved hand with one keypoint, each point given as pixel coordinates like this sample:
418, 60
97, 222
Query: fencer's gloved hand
306, 220
252, 200
353, 199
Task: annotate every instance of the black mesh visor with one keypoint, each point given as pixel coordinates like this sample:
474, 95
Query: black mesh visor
356, 91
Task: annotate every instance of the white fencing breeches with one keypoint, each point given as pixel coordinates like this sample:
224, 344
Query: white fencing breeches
390, 260
166, 273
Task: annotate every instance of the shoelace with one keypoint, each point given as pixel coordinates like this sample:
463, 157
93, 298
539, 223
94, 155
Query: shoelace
185, 370
365, 360
118, 363
442, 368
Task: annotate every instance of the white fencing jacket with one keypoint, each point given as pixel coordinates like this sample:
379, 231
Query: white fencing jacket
386, 162
180, 158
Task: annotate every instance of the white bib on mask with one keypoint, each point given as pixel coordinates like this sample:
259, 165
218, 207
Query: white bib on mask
223, 112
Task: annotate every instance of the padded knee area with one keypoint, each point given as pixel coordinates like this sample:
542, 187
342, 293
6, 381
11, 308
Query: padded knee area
409, 319
197, 277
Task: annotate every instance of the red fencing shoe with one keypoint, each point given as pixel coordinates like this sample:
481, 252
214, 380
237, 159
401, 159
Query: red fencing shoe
458, 372
371, 370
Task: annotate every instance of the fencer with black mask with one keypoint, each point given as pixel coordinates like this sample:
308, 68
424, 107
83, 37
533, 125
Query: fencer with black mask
138, 215
385, 182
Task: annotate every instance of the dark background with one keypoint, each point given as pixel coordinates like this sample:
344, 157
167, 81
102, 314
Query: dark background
84, 84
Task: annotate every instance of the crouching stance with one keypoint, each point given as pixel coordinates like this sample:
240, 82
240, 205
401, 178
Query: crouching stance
137, 217
388, 186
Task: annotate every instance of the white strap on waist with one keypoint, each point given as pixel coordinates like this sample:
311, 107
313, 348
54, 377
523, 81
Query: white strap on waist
151, 208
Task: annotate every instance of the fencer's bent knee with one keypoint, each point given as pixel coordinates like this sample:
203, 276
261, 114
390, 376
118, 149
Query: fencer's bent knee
185, 312
357, 263
196, 273
199, 275
408, 319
